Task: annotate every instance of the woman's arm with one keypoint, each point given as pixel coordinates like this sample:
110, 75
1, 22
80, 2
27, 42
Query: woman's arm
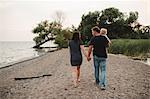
90, 50
82, 49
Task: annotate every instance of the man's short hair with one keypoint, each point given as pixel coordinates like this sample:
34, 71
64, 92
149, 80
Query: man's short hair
96, 29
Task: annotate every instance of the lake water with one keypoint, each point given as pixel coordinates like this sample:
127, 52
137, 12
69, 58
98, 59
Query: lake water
14, 51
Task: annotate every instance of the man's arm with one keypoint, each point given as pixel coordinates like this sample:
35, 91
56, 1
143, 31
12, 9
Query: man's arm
89, 52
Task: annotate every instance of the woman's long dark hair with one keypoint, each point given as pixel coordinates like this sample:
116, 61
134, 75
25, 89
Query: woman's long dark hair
76, 36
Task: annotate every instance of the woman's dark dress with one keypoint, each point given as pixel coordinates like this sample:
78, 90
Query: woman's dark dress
75, 53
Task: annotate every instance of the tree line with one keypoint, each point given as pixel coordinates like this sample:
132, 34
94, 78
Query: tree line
119, 25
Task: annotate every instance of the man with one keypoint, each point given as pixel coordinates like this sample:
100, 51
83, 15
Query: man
99, 44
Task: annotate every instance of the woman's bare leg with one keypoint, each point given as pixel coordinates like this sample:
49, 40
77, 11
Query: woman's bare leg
74, 75
78, 73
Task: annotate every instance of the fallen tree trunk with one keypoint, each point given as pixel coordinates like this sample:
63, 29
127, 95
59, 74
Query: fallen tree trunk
38, 45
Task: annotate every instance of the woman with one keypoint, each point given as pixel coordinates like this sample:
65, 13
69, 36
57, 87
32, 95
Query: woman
76, 46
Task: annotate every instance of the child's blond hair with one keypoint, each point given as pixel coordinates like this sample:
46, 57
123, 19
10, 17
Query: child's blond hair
103, 31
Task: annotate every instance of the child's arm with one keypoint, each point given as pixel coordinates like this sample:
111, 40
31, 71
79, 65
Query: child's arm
108, 39
109, 42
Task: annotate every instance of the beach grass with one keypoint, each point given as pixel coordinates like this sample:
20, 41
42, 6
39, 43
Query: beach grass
131, 47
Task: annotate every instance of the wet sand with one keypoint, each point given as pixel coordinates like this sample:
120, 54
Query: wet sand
126, 79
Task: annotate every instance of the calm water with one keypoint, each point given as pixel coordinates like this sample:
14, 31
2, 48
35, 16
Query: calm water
14, 51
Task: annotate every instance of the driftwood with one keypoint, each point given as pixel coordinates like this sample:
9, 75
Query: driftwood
24, 78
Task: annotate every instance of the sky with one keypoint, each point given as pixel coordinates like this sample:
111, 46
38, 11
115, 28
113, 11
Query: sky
19, 17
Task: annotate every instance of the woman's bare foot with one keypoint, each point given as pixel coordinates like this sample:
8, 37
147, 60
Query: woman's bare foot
78, 80
75, 84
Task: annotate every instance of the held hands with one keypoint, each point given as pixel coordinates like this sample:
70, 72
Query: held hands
88, 58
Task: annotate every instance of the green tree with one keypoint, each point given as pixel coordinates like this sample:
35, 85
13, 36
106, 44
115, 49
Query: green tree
118, 24
63, 37
111, 14
115, 22
133, 16
88, 21
45, 30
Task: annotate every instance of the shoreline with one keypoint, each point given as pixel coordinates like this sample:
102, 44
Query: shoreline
22, 60
129, 57
35, 57
136, 59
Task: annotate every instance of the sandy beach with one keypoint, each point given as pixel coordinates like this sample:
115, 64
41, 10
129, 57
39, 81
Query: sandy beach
126, 79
